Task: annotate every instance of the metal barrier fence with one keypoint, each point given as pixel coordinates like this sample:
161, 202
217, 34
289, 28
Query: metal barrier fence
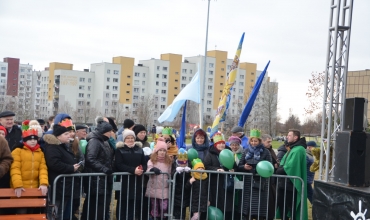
126, 196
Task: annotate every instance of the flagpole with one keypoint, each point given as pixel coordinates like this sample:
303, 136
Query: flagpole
203, 78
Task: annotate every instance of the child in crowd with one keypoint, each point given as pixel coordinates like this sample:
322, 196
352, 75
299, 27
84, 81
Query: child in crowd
157, 188
28, 169
199, 191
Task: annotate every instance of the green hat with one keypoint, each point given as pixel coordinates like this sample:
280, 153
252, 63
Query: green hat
167, 130
255, 133
195, 161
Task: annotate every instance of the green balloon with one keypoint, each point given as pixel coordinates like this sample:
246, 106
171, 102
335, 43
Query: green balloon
214, 213
192, 154
227, 159
83, 144
265, 168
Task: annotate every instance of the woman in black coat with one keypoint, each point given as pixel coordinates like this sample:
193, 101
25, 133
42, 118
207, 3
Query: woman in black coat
257, 205
61, 160
99, 157
217, 182
129, 158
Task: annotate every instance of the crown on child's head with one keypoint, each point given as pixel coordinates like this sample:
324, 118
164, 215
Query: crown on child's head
255, 133
218, 137
67, 123
30, 132
182, 157
195, 161
167, 130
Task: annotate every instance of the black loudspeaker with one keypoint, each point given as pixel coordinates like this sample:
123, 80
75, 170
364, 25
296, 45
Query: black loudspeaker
352, 158
355, 114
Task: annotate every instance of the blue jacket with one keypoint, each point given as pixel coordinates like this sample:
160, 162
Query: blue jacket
245, 142
310, 159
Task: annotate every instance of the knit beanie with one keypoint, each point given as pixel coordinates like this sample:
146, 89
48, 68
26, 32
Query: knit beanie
59, 130
127, 132
128, 123
111, 122
160, 145
138, 128
235, 139
2, 128
218, 138
34, 124
104, 127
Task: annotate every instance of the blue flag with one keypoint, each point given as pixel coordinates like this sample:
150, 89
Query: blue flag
181, 141
248, 107
190, 92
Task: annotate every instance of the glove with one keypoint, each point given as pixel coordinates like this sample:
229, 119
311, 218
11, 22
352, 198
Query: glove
180, 169
155, 170
18, 192
187, 169
44, 190
109, 172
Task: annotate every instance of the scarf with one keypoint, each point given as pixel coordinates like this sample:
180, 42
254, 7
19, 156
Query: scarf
237, 152
112, 143
199, 176
254, 152
33, 149
201, 147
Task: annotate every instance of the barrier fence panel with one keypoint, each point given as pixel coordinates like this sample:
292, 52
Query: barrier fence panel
198, 194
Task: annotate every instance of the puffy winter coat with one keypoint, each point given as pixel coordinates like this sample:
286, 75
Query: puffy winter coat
199, 194
182, 194
6, 160
157, 185
98, 159
28, 169
126, 160
60, 160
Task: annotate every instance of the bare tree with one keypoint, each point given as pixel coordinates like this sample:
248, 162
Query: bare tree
292, 122
24, 106
144, 110
315, 92
268, 107
85, 113
66, 108
119, 112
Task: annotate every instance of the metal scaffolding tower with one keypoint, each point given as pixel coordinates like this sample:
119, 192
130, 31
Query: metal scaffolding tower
335, 82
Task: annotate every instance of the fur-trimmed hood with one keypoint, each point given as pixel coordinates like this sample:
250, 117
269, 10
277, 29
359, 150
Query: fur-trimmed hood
120, 144
51, 139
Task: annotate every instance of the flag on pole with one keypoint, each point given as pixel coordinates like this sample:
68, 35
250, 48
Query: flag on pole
181, 141
226, 92
190, 92
248, 107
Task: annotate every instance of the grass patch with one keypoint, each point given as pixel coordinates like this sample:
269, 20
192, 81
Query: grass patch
276, 144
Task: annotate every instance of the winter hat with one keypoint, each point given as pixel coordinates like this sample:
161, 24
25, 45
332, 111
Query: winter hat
138, 128
34, 124
29, 134
80, 127
114, 126
235, 139
60, 117
128, 123
197, 163
104, 127
2, 128
160, 145
218, 138
159, 130
6, 114
41, 121
59, 130
311, 144
237, 129
99, 119
127, 132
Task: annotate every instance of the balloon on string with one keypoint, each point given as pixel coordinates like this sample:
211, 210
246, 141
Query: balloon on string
265, 169
227, 159
214, 213
192, 154
83, 144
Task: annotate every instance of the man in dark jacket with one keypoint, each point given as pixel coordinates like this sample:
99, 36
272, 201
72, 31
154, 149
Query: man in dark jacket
99, 157
14, 135
310, 175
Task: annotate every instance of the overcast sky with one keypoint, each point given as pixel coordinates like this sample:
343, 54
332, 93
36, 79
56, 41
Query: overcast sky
292, 34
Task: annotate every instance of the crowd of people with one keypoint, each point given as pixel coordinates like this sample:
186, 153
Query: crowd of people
33, 156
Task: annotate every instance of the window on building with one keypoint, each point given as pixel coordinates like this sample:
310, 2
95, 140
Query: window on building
176, 80
142, 90
252, 73
107, 87
89, 88
107, 95
157, 76
164, 68
164, 91
183, 78
210, 80
108, 79
210, 72
164, 76
163, 99
228, 67
114, 96
136, 89
209, 102
3, 68
157, 83
163, 106
108, 71
155, 114
128, 76
191, 71
128, 84
190, 78
81, 87
211, 65
177, 73
209, 94
175, 88
106, 111
136, 97
115, 80
82, 79
241, 84
208, 109
144, 75
240, 97
106, 103
183, 70
89, 80
80, 102
158, 67
209, 87
252, 80
115, 72
156, 91
143, 83
137, 74
156, 106
81, 95
113, 111
241, 76
115, 88
240, 90
127, 100
164, 84
183, 85
127, 92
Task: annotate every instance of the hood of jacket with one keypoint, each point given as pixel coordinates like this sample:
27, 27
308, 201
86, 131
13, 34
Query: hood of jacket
96, 135
59, 117
51, 139
206, 141
300, 142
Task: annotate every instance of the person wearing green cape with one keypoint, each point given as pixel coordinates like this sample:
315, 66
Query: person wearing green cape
293, 164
